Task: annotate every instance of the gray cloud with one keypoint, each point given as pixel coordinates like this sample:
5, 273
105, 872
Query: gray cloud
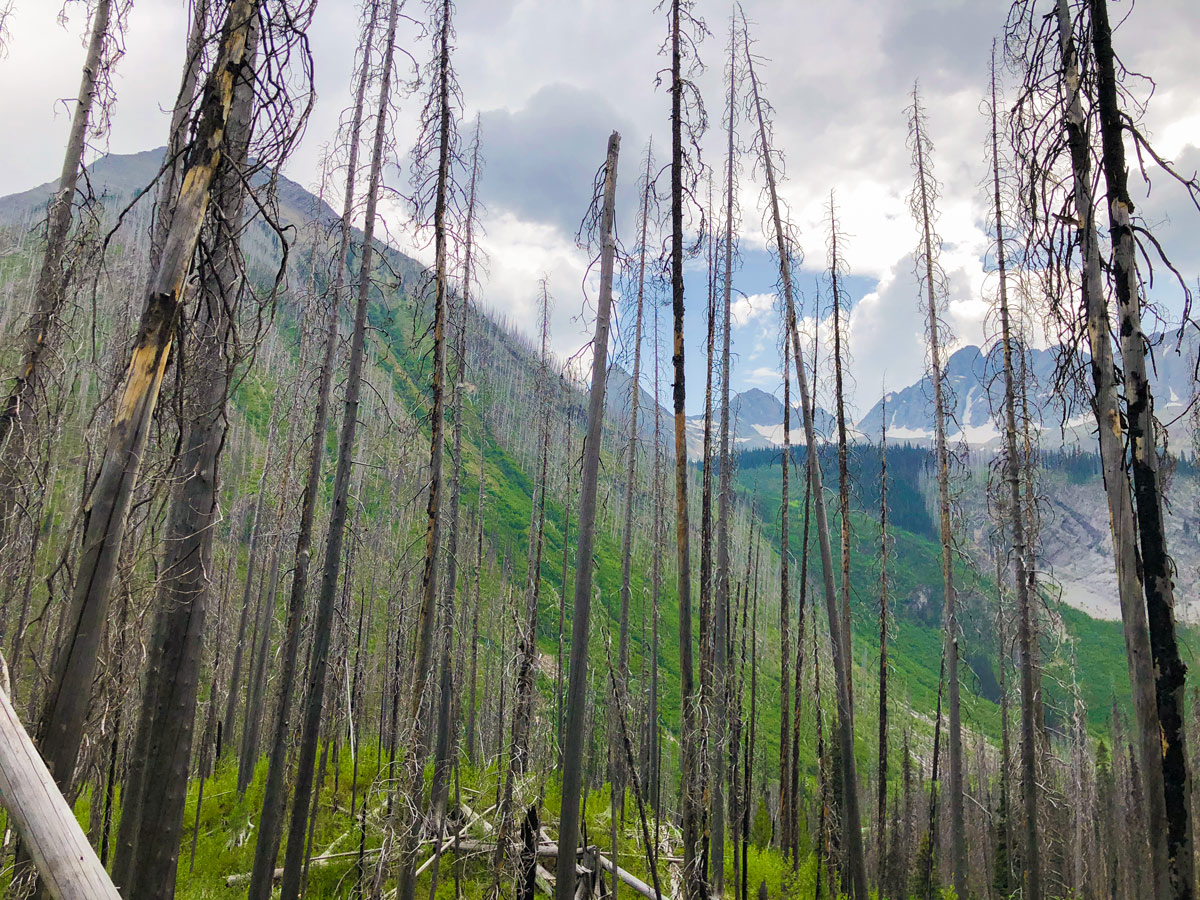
542, 157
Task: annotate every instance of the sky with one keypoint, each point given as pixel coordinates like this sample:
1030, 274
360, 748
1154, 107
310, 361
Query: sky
550, 80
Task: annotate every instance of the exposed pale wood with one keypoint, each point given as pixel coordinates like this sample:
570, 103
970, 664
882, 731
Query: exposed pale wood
66, 862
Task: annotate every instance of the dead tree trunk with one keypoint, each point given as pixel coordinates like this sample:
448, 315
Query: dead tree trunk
438, 120
923, 199
475, 603
881, 803
447, 730
840, 364
108, 503
519, 749
852, 833
43, 819
572, 768
256, 528
156, 783
1170, 673
720, 636
1016, 523
41, 331
1109, 421
652, 752
693, 875
619, 776
266, 848
786, 788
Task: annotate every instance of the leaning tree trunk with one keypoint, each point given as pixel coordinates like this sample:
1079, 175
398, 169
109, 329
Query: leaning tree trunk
572, 767
924, 207
852, 833
69, 694
156, 783
1170, 673
1106, 406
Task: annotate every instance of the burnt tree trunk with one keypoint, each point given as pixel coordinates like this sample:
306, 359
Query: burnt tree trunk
572, 768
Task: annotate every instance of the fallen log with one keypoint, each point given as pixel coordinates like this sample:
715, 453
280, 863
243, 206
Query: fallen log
66, 862
471, 845
318, 861
626, 878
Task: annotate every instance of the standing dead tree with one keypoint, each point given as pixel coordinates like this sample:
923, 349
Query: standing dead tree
156, 783
109, 499
882, 766
1170, 673
721, 714
923, 202
266, 848
436, 205
838, 302
520, 754
619, 775
1016, 526
1056, 108
572, 767
448, 710
777, 228
685, 31
42, 331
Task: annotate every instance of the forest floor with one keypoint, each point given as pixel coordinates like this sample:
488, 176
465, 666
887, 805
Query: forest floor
224, 840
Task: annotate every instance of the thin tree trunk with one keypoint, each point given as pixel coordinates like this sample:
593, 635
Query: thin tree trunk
711, 747
653, 752
881, 803
1012, 462
798, 694
266, 848
475, 613
568, 830
693, 875
256, 522
839, 366
562, 597
931, 834
786, 787
841, 661
427, 613
447, 730
520, 751
42, 329
618, 773
720, 667
923, 205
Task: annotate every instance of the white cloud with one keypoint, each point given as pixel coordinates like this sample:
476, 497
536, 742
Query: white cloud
839, 118
747, 309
